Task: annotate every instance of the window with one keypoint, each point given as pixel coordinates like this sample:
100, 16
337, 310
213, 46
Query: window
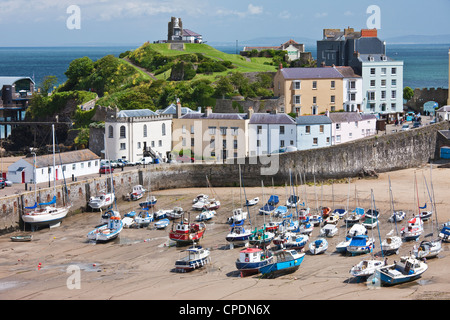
394, 94
235, 155
224, 143
333, 98
138, 145
153, 144
321, 128
315, 141
259, 129
393, 106
82, 165
64, 167
163, 129
110, 132
183, 142
372, 95
258, 143
281, 143
394, 82
122, 146
350, 135
145, 131
234, 131
183, 129
223, 130
352, 84
352, 96
235, 144
192, 129
159, 143
394, 71
89, 165
308, 129
328, 140
383, 82
281, 129
291, 142
212, 143
383, 71
314, 85
383, 95
314, 100
192, 142
338, 139
314, 110
297, 85
122, 132
372, 72
338, 126
372, 83
296, 99
212, 130
333, 84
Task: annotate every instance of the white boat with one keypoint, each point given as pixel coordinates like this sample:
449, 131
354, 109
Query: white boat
108, 214
143, 218
200, 204
212, 204
304, 215
428, 249
329, 230
391, 244
102, 200
238, 235
46, 213
200, 197
372, 213
305, 228
292, 201
341, 247
318, 246
280, 211
444, 233
252, 202
205, 215
405, 270
366, 268
161, 214
425, 215
107, 232
197, 257
360, 245
397, 216
175, 213
162, 224
332, 219
316, 219
148, 203
238, 216
356, 230
137, 192
354, 217
413, 230
128, 222
370, 223
340, 212
291, 240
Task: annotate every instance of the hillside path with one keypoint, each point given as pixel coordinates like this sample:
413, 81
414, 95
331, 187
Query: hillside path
151, 75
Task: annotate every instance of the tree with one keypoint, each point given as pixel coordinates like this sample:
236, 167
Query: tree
224, 87
79, 68
408, 93
47, 84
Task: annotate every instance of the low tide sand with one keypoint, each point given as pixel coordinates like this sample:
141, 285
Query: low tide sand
139, 265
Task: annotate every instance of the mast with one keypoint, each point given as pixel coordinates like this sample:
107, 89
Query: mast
54, 162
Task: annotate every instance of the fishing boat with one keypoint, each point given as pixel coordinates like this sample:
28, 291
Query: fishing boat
366, 268
261, 237
238, 216
22, 238
405, 270
292, 201
148, 203
238, 235
102, 200
186, 233
46, 213
206, 215
285, 261
252, 202
354, 217
397, 216
341, 213
444, 233
370, 222
175, 213
107, 232
162, 224
161, 214
251, 260
391, 244
137, 192
143, 218
329, 230
212, 205
318, 246
413, 230
280, 211
197, 257
427, 249
291, 240
361, 244
273, 226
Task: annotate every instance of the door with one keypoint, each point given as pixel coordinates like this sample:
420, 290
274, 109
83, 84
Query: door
23, 176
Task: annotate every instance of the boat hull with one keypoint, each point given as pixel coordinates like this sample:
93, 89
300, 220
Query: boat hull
250, 268
36, 220
280, 268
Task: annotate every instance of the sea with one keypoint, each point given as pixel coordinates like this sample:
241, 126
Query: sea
425, 65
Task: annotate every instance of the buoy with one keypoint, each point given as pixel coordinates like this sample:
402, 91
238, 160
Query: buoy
94, 265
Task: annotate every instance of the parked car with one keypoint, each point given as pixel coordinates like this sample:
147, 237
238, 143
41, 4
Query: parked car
405, 127
145, 160
2, 183
123, 162
8, 183
106, 169
117, 164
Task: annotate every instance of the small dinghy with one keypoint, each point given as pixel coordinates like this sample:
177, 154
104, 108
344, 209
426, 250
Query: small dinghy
332, 219
329, 230
143, 219
21, 238
292, 201
206, 215
252, 202
340, 212
197, 257
318, 246
397, 216
280, 211
162, 224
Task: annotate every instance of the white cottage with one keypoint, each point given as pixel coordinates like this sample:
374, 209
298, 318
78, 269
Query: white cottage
67, 165
349, 126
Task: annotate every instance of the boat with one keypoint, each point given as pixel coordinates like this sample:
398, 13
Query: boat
197, 257
251, 260
340, 212
366, 268
341, 247
130, 214
205, 215
128, 222
267, 209
332, 219
292, 201
372, 213
425, 215
397, 216
427, 249
273, 200
370, 222
280, 211
200, 204
238, 235
108, 231
303, 215
186, 233
162, 224
405, 270
318, 246
200, 197
261, 237
325, 212
273, 226
137, 192
291, 240
238, 216
22, 238
357, 230
143, 218
103, 200
175, 213
212, 205
46, 213
316, 219
391, 244
354, 217
305, 228
252, 202
329, 230
361, 244
444, 233
161, 214
148, 203
107, 215
413, 230
285, 261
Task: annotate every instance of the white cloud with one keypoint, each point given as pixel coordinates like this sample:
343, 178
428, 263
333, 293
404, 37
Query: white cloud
348, 13
254, 9
321, 15
284, 14
251, 10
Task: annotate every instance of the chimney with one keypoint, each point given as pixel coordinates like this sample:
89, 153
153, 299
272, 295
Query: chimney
274, 111
208, 111
327, 113
250, 112
280, 67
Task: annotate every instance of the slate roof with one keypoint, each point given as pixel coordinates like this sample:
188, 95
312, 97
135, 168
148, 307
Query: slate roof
339, 117
172, 109
316, 119
190, 33
311, 73
378, 57
347, 72
270, 118
66, 158
220, 116
136, 113
443, 109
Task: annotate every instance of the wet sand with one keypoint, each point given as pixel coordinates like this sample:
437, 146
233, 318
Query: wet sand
139, 264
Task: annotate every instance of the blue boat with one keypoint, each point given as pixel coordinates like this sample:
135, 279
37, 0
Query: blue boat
273, 200
251, 260
280, 211
267, 209
148, 203
286, 261
361, 244
238, 234
407, 269
161, 224
444, 234
143, 218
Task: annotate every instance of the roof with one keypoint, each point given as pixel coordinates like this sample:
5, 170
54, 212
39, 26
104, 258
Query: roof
445, 133
443, 109
220, 116
136, 113
338, 117
12, 80
66, 158
347, 72
190, 33
377, 57
271, 118
317, 119
311, 73
172, 109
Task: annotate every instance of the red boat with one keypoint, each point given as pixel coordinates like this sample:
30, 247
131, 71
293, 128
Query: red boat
186, 233
272, 226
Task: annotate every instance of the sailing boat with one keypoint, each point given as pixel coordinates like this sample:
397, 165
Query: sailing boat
104, 199
415, 225
150, 201
46, 213
393, 242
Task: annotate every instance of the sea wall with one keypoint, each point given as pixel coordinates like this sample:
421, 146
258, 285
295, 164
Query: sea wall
359, 158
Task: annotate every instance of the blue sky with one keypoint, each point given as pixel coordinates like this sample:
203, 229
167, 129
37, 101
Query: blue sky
43, 22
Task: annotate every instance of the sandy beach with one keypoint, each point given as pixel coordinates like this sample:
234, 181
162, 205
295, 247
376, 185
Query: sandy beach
139, 264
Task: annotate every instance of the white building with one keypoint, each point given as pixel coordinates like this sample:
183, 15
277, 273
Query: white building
353, 89
313, 132
67, 165
349, 126
270, 132
443, 113
133, 134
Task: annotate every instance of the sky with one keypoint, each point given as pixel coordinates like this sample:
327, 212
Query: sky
119, 22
